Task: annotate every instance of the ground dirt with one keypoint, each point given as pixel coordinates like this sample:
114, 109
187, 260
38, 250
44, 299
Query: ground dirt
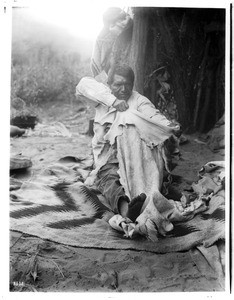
62, 268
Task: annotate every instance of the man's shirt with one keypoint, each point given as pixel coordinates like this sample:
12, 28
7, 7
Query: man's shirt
103, 99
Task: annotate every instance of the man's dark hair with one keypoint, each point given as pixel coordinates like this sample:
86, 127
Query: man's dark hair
122, 70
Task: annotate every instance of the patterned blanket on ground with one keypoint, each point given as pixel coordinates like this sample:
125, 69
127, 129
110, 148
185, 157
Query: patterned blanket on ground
57, 206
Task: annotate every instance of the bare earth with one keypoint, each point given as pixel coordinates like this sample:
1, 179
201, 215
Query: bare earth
62, 268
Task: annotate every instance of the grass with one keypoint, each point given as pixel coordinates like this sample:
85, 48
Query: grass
42, 74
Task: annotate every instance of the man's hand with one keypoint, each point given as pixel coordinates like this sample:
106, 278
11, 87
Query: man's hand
120, 105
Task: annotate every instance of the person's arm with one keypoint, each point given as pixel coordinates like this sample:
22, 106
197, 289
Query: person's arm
147, 108
99, 93
95, 91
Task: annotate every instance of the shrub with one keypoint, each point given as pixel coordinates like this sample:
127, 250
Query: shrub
42, 74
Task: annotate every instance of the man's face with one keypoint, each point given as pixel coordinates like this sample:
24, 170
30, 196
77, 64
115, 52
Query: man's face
121, 87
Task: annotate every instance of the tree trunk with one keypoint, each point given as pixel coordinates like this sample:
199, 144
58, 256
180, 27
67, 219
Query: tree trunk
138, 47
176, 72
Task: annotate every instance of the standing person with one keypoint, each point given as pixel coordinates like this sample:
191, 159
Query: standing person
116, 22
128, 144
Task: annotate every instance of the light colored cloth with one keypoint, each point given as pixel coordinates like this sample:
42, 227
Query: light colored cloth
141, 171
140, 167
152, 130
53, 129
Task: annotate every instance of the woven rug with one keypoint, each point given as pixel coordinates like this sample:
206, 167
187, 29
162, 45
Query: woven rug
57, 206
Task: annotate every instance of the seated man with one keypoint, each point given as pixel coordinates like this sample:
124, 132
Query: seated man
128, 143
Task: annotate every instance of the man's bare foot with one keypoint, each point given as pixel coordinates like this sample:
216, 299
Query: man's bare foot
131, 209
135, 206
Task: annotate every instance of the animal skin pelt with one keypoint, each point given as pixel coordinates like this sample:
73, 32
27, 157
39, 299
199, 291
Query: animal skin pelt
141, 171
